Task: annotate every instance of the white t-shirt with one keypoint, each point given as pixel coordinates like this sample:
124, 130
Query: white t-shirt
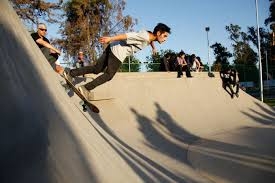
135, 42
195, 63
194, 66
57, 62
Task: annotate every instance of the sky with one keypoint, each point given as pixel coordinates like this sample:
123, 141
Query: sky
188, 19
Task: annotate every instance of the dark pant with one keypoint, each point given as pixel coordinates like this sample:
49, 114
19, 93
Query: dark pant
183, 68
187, 71
51, 57
228, 83
179, 69
237, 85
107, 63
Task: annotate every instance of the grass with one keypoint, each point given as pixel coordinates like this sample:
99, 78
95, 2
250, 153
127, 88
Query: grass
270, 101
268, 95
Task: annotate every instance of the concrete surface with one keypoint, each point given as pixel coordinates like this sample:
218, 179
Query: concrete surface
152, 127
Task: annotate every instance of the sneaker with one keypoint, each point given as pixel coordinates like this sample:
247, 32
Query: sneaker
86, 93
237, 95
67, 74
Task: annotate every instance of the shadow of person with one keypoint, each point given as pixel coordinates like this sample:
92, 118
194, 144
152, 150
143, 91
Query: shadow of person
175, 130
265, 116
146, 168
155, 139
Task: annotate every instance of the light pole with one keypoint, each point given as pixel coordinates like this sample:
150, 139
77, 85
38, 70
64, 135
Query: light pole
259, 53
207, 29
129, 62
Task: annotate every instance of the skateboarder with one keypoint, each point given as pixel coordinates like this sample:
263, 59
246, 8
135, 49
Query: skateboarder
230, 79
235, 80
120, 46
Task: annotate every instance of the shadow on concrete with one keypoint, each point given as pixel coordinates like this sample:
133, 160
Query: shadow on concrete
176, 131
251, 160
211, 157
144, 166
266, 117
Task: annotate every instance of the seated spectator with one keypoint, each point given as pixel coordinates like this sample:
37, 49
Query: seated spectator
173, 62
186, 68
182, 65
201, 64
164, 63
79, 60
49, 51
195, 64
188, 60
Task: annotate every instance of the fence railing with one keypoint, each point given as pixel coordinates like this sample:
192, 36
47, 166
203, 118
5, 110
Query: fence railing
246, 72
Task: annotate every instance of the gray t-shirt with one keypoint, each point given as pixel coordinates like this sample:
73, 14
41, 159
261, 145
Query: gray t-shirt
135, 41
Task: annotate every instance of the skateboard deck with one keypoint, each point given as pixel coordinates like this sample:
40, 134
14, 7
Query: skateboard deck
87, 103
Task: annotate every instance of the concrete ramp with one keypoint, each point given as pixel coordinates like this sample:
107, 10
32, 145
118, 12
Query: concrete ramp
191, 122
152, 127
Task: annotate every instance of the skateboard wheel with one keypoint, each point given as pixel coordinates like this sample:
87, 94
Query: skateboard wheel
84, 107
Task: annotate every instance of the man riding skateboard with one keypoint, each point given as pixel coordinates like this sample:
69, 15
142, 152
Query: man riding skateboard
230, 79
120, 46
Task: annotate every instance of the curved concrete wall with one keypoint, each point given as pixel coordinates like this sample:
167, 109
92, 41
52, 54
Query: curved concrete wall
225, 140
152, 127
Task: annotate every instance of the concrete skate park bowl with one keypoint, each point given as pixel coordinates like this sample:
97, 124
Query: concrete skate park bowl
152, 127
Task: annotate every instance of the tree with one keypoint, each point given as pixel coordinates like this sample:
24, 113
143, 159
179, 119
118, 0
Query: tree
245, 58
271, 21
134, 65
243, 53
31, 11
221, 55
87, 20
271, 18
253, 37
264, 43
154, 60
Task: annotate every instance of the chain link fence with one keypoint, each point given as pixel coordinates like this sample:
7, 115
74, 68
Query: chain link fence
248, 75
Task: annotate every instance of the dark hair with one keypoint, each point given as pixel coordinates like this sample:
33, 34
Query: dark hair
162, 28
167, 55
181, 53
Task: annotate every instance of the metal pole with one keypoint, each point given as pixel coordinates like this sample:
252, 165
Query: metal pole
129, 67
207, 30
259, 53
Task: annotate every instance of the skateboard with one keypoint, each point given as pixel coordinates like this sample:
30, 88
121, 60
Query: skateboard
86, 103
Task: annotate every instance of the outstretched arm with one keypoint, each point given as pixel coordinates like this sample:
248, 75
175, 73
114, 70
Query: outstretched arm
108, 39
198, 64
47, 45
